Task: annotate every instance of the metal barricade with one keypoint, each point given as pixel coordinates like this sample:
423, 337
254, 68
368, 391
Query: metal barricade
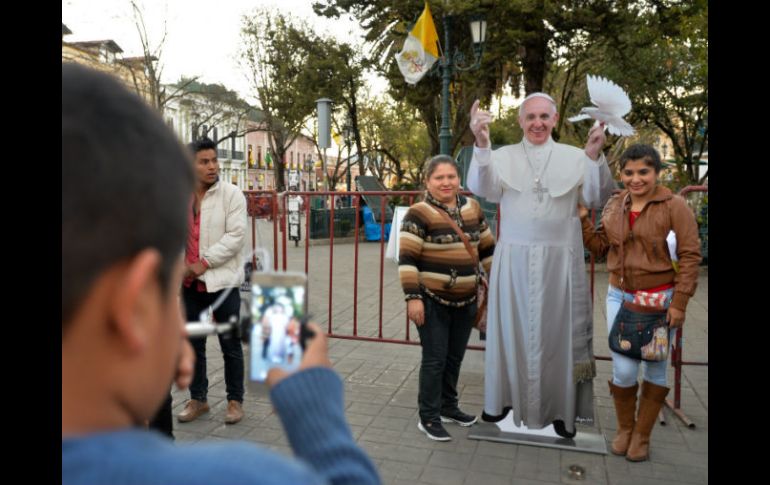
268, 204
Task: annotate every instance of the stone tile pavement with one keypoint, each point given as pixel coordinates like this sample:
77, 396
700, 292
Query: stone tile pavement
381, 393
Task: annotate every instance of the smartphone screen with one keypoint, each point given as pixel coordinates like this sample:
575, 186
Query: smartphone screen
277, 312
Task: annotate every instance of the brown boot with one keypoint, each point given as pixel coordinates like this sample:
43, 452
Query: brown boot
192, 411
625, 410
650, 402
234, 412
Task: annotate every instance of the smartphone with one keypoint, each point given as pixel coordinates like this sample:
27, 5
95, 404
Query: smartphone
278, 319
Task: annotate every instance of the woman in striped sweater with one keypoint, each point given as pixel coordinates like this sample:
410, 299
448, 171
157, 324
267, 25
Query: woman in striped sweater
439, 279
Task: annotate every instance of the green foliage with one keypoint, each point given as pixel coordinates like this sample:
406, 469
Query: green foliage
658, 53
664, 66
506, 130
657, 50
274, 53
394, 140
290, 67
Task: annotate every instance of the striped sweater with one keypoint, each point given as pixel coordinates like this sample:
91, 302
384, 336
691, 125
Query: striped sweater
432, 258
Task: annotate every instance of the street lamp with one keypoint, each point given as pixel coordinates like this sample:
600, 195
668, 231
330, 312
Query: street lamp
454, 62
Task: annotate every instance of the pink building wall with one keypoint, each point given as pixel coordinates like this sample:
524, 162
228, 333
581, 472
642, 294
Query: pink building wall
262, 178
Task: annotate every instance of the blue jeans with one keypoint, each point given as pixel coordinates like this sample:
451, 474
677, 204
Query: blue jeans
443, 338
195, 302
625, 370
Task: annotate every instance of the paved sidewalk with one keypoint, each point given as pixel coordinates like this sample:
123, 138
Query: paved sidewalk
381, 393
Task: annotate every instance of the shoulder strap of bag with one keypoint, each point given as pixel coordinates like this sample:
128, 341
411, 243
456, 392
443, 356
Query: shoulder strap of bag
623, 242
462, 235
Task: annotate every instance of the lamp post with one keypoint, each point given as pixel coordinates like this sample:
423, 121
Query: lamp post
324, 108
347, 133
451, 62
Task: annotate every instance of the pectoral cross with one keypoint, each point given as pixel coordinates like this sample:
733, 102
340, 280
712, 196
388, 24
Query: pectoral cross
539, 190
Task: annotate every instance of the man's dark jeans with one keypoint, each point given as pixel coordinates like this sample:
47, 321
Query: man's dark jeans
195, 302
163, 421
443, 337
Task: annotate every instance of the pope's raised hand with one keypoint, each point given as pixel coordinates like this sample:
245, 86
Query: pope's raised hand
480, 121
596, 140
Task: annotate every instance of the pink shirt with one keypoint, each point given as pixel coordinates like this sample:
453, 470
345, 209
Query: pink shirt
192, 249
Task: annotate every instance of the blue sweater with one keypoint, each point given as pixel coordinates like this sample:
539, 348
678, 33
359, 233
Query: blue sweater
310, 405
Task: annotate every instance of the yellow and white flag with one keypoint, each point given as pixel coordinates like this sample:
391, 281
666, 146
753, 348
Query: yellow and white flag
420, 50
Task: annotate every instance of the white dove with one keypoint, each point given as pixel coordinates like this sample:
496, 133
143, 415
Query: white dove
612, 104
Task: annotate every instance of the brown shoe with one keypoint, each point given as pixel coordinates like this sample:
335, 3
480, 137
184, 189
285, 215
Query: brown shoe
192, 411
234, 412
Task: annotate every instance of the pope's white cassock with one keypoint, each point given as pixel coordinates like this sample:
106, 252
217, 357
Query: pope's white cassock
539, 357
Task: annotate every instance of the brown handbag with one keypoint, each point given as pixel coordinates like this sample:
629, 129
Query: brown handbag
482, 289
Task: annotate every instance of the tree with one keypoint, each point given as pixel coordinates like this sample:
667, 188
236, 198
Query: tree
386, 24
347, 65
212, 106
335, 71
276, 56
505, 129
394, 140
665, 66
655, 49
520, 48
140, 73
149, 84
660, 57
340, 167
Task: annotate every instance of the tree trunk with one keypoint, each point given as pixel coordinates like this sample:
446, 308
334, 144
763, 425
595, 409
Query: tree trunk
279, 165
534, 56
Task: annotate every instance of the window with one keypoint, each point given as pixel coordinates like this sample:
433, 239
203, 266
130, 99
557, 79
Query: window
107, 56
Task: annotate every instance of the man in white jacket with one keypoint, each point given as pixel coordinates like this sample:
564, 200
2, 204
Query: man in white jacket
217, 221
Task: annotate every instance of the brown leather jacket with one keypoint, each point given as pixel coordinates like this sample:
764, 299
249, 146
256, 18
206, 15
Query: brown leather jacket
647, 262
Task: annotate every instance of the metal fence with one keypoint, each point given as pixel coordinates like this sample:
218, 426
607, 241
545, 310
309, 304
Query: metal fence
334, 223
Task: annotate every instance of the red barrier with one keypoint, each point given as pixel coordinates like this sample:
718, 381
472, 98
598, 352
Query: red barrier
676, 356
262, 204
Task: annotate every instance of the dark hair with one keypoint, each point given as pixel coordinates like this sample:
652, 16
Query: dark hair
204, 143
643, 152
126, 182
434, 162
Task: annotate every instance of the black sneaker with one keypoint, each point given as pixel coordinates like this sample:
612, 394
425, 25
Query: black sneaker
458, 417
561, 429
489, 418
434, 430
